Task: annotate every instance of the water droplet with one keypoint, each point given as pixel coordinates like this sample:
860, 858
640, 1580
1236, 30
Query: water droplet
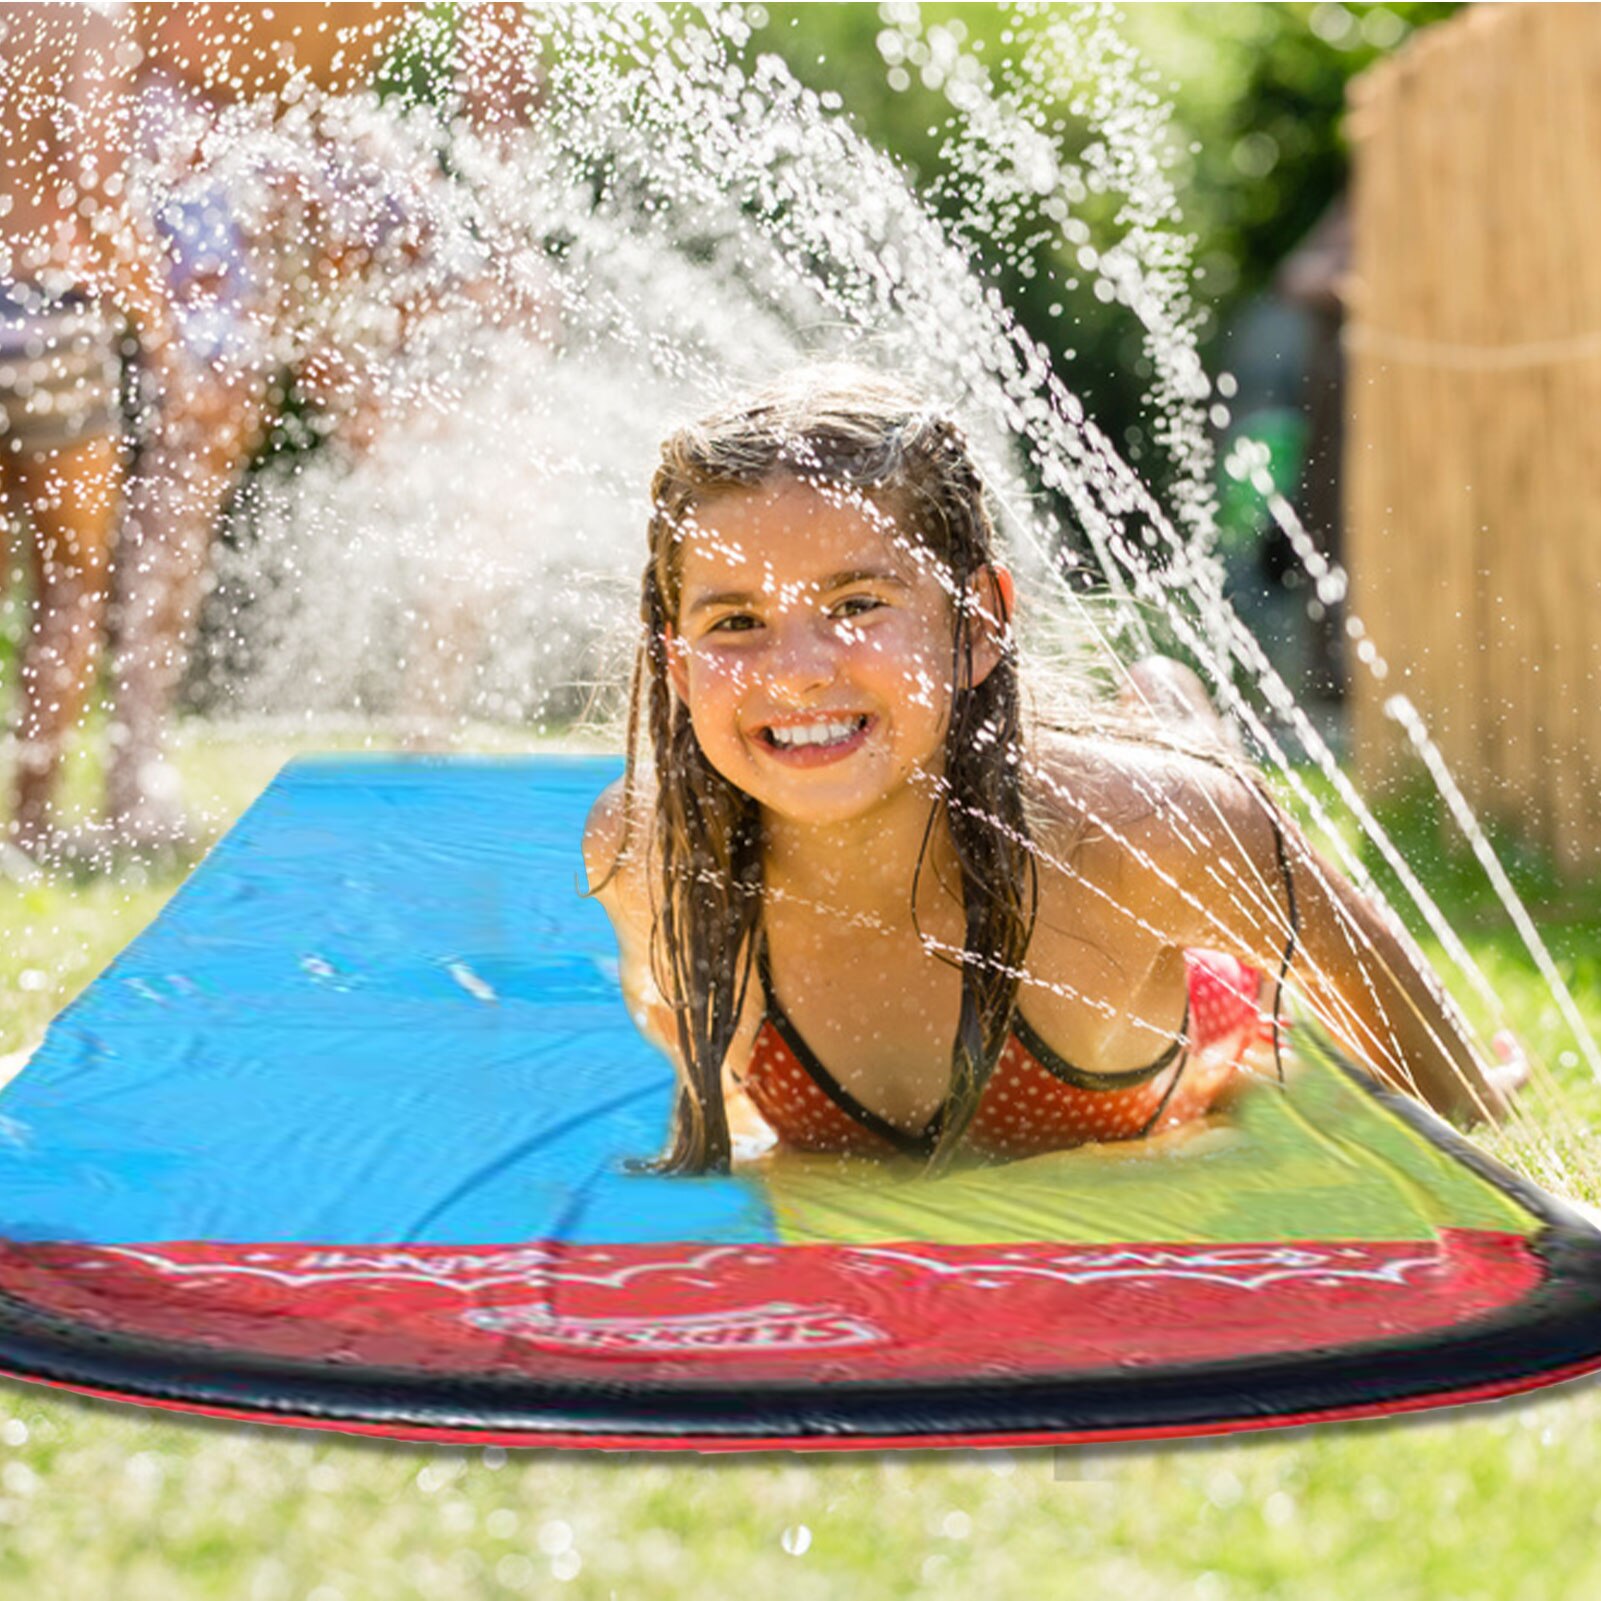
555, 1536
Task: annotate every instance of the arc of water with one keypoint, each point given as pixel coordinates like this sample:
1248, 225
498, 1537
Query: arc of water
1401, 710
1202, 577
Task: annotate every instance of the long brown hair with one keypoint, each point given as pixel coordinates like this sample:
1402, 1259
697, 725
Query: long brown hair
869, 436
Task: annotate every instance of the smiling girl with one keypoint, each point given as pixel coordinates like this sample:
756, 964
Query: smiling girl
855, 891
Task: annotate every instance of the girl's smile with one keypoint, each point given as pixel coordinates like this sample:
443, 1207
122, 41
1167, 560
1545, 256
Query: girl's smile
816, 741
814, 650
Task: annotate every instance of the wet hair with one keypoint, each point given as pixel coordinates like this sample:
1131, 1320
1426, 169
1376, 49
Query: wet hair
872, 439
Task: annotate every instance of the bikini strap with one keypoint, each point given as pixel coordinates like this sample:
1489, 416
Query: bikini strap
758, 942
1282, 855
1081, 1078
764, 974
919, 1144
1172, 1083
1293, 937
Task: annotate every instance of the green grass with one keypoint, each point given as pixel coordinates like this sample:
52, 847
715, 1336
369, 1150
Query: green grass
1490, 1502
105, 1501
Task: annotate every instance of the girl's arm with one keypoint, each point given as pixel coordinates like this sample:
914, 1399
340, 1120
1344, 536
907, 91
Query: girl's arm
617, 882
625, 897
1226, 876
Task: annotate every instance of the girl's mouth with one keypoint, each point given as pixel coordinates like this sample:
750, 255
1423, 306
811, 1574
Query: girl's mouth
817, 742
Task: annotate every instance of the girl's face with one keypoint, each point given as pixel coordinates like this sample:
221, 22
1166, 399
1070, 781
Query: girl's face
813, 649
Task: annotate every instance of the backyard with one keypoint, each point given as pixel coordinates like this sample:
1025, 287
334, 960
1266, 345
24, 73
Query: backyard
1238, 388
98, 1499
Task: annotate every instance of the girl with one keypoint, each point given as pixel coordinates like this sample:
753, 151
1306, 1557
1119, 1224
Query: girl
855, 892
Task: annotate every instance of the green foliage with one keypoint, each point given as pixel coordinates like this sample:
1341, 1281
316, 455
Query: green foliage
1279, 434
417, 69
1259, 94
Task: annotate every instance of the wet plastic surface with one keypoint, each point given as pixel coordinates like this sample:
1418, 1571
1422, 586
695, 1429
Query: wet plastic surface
340, 1139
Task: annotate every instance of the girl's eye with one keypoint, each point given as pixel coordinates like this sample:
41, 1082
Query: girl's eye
733, 623
862, 603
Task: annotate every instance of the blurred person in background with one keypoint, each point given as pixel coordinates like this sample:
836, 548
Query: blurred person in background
243, 244
77, 278
265, 253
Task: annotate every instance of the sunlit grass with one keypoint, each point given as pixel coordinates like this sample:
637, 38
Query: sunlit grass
98, 1500
1489, 1502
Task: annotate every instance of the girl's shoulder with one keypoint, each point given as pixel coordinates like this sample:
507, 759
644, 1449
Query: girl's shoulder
1095, 797
616, 844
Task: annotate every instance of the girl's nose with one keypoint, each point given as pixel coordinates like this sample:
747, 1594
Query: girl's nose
803, 657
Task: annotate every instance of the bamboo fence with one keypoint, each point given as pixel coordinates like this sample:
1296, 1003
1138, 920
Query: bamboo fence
1473, 451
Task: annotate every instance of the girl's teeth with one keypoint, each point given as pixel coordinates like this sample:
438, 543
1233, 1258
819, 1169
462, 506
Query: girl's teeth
816, 733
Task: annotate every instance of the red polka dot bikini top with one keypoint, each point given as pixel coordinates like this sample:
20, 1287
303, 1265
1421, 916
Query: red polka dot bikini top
1035, 1100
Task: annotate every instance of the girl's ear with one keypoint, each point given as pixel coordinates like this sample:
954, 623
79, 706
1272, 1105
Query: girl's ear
677, 666
994, 596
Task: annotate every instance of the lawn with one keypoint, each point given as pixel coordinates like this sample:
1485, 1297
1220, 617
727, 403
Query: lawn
100, 1500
